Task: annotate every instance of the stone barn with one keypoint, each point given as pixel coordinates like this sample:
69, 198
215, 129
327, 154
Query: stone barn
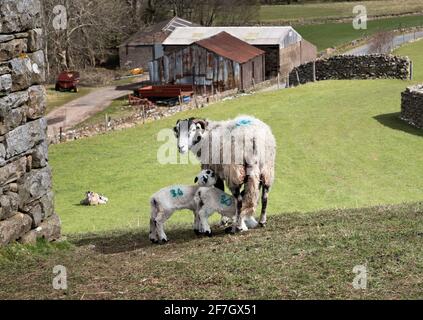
284, 47
146, 45
221, 62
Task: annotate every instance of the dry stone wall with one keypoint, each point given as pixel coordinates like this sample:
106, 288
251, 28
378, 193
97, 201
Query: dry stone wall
412, 106
352, 67
26, 197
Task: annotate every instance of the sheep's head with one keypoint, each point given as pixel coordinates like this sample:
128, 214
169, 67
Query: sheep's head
189, 132
206, 178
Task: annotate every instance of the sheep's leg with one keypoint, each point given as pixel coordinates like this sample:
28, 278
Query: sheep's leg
224, 221
196, 223
264, 194
159, 221
239, 224
153, 231
153, 236
203, 215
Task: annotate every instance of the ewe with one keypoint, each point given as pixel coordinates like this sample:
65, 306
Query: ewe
177, 197
241, 152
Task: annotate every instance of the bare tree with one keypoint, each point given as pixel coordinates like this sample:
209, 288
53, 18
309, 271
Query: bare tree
381, 42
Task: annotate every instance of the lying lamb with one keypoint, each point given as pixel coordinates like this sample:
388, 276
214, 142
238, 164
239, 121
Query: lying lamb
93, 199
211, 199
177, 197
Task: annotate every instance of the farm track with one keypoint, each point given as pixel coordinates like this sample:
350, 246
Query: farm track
80, 109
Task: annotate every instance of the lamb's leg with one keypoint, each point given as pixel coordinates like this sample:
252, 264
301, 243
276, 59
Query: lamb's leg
203, 215
153, 236
264, 194
159, 221
196, 223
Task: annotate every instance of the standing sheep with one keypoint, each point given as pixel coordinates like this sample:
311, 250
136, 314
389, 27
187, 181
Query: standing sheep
241, 152
177, 197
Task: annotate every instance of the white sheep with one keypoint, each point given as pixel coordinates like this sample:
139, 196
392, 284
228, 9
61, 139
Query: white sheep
241, 152
177, 197
210, 200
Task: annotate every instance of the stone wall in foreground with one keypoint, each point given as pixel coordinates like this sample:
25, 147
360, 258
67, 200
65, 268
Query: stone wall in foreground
412, 106
26, 197
347, 67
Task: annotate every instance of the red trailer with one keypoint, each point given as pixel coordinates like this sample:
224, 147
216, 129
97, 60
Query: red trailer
166, 91
67, 81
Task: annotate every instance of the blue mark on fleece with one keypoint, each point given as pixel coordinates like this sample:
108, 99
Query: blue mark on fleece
243, 122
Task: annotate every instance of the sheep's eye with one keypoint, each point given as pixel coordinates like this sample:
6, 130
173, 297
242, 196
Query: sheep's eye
208, 171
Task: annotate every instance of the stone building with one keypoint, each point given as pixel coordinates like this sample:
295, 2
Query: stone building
146, 45
26, 197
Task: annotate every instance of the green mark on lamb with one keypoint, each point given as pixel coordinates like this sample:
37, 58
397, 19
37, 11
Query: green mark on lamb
176, 192
225, 200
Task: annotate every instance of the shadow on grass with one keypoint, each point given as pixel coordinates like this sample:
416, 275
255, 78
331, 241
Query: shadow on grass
127, 241
393, 121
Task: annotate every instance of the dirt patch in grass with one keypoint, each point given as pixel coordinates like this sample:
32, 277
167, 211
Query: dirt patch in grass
307, 256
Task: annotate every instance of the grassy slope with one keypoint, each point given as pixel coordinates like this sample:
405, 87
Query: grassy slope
296, 256
314, 11
56, 99
334, 34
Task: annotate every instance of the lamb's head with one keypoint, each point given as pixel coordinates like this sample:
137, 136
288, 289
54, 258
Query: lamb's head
189, 132
206, 178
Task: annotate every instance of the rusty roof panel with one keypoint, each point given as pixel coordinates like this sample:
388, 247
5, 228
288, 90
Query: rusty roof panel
228, 46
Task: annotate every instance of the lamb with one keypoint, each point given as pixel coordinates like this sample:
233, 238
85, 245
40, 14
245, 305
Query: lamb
211, 199
177, 197
241, 152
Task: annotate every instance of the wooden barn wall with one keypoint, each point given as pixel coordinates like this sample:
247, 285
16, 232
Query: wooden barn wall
197, 65
253, 72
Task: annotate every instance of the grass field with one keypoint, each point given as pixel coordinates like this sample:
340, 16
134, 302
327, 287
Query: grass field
56, 99
335, 34
323, 11
340, 144
414, 50
298, 256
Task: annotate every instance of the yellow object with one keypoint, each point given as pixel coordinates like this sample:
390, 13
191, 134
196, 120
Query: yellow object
137, 71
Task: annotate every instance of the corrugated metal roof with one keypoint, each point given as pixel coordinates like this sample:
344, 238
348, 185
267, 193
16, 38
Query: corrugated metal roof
228, 46
282, 36
156, 33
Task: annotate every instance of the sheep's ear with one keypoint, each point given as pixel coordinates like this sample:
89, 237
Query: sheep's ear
195, 179
200, 123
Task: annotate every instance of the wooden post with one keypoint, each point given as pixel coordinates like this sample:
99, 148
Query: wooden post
411, 70
314, 71
298, 77
143, 113
279, 84
107, 122
287, 81
180, 102
60, 134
